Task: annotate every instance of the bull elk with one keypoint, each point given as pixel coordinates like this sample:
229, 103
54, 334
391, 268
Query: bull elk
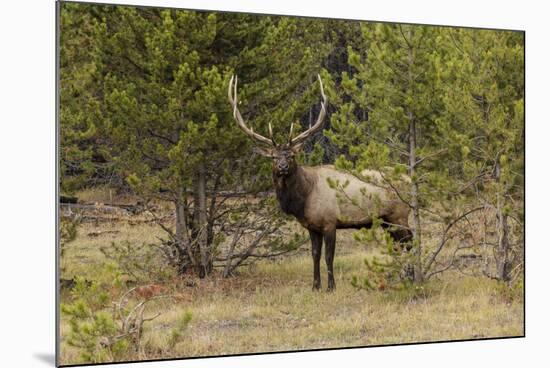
306, 193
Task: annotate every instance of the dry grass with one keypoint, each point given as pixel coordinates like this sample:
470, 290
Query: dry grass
83, 256
270, 305
278, 311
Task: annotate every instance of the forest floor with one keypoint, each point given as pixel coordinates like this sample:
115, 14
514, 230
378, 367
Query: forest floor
270, 306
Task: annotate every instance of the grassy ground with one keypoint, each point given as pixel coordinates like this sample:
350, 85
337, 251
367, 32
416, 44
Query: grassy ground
270, 306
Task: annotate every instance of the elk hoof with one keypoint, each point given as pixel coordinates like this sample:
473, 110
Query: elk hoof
331, 287
316, 286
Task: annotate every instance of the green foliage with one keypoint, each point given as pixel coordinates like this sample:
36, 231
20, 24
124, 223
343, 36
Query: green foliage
84, 160
157, 80
68, 231
390, 272
178, 332
106, 321
511, 292
68, 228
459, 94
485, 104
92, 328
315, 157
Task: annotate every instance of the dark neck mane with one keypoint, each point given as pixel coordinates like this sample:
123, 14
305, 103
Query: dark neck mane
292, 192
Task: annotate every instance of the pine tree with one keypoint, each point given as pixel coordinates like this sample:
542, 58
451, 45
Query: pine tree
484, 100
83, 159
420, 100
388, 121
163, 114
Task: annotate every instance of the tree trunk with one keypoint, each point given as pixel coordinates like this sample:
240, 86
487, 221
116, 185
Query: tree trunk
416, 230
202, 236
228, 264
183, 241
502, 262
211, 214
195, 221
417, 238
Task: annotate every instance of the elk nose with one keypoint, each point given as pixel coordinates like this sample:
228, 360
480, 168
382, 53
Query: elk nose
283, 166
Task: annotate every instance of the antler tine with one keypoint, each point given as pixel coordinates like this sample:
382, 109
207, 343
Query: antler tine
318, 124
232, 96
271, 134
290, 134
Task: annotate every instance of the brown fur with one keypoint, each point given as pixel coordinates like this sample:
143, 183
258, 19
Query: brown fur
305, 193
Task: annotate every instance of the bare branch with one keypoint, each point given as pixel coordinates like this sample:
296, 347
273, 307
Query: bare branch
395, 190
444, 237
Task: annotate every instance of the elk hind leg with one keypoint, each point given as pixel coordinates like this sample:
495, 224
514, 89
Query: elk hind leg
330, 245
403, 236
316, 245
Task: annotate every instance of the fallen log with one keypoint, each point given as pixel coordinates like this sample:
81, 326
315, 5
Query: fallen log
94, 207
98, 233
67, 199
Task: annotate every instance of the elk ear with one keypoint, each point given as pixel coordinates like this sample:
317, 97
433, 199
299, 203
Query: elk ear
266, 152
296, 148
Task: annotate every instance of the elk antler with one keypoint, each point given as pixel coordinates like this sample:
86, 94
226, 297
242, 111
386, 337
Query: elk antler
232, 95
312, 129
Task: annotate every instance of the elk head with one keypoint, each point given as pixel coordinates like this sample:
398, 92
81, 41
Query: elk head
283, 154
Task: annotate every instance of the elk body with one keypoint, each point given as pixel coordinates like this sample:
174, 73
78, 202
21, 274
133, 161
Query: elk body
306, 193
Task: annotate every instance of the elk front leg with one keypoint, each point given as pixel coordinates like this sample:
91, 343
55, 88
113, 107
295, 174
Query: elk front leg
330, 245
316, 244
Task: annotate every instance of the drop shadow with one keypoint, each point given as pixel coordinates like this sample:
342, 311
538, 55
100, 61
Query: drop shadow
46, 358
